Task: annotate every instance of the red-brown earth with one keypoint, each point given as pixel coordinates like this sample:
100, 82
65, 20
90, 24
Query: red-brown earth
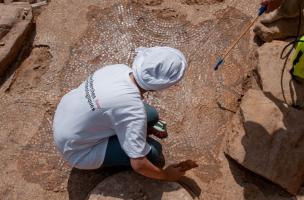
74, 38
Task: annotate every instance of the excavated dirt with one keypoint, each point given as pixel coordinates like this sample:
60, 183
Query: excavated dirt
74, 38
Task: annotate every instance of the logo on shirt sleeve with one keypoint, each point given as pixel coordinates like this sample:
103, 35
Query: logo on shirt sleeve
90, 94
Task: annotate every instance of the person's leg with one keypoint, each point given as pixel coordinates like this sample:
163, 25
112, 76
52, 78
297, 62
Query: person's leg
152, 115
116, 157
152, 119
156, 154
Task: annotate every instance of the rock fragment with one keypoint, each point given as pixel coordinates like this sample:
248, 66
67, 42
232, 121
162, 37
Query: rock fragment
267, 137
39, 4
274, 78
15, 26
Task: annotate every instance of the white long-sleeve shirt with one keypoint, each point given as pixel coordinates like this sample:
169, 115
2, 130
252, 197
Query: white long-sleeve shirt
108, 103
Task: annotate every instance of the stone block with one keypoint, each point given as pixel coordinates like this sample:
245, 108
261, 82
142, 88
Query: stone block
267, 137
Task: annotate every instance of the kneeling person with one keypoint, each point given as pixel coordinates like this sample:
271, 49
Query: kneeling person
104, 121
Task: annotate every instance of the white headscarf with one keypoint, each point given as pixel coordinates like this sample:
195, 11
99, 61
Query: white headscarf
158, 68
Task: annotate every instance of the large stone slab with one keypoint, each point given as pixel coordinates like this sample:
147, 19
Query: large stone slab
267, 137
15, 24
128, 185
276, 80
9, 15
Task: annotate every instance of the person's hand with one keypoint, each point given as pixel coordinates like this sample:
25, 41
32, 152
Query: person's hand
272, 4
187, 165
174, 172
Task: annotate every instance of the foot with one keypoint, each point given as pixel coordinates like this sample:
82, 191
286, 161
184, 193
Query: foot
159, 130
158, 134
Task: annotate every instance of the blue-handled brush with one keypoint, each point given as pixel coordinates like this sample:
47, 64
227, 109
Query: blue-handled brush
220, 61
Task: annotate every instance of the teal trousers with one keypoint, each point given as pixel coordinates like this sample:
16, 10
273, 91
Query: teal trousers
116, 157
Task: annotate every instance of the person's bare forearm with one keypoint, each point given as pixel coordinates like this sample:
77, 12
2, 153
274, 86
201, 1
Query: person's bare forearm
171, 173
146, 168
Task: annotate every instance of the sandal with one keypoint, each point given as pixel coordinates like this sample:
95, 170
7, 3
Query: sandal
160, 130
